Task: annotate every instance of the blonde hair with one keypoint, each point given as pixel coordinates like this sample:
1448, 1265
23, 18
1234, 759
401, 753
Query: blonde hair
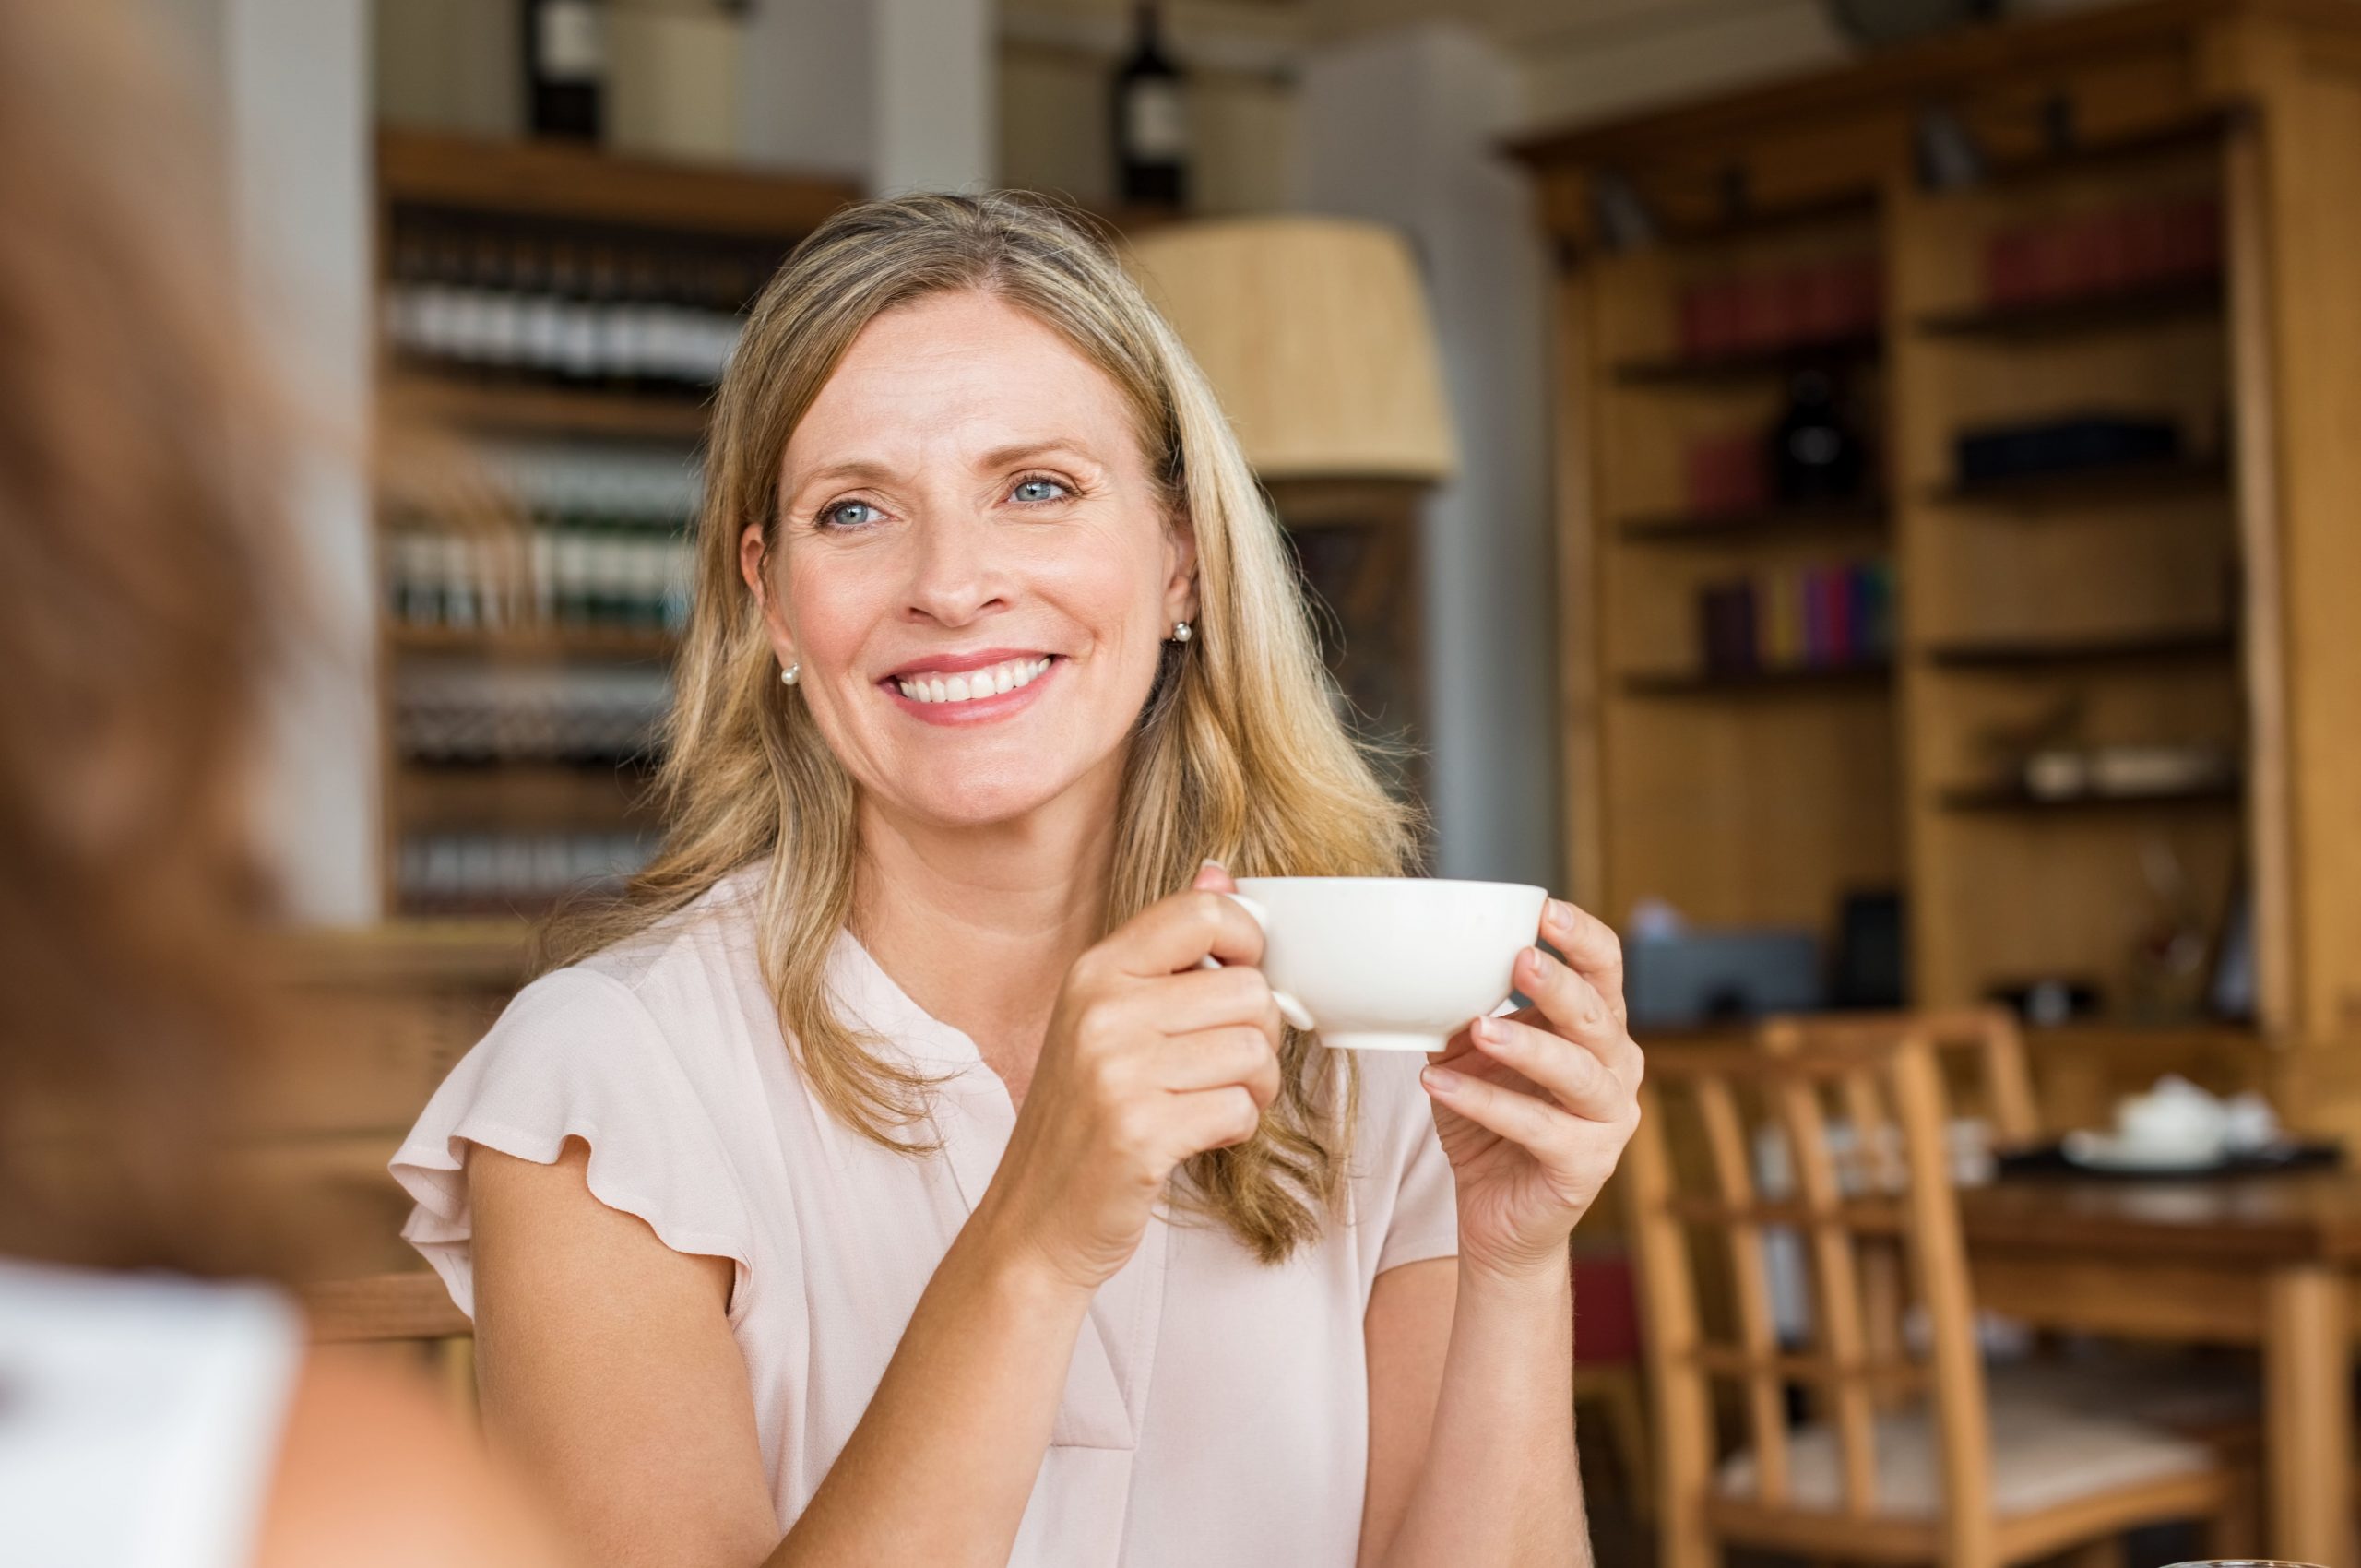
1239, 753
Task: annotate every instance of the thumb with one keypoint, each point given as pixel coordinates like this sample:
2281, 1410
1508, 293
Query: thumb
1213, 877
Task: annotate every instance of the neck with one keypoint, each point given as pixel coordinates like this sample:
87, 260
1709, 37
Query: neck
979, 925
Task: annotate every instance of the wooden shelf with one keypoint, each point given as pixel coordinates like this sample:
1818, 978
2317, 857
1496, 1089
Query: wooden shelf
2116, 482
534, 641
1867, 675
1753, 364
1843, 206
2018, 799
2203, 128
569, 181
2029, 653
2046, 320
411, 953
539, 796
423, 397
1681, 526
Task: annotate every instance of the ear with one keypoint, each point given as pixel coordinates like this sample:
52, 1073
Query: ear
1180, 581
753, 564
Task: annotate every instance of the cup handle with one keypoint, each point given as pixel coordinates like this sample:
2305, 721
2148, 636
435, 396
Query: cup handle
1294, 1011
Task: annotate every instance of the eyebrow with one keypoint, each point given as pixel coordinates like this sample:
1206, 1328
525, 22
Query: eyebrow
1007, 457
869, 471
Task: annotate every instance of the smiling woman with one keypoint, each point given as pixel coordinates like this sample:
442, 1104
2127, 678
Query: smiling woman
889, 1178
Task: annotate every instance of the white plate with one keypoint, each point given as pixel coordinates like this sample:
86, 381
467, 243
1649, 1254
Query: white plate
2105, 1151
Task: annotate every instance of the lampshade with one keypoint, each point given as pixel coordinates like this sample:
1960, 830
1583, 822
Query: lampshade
1315, 335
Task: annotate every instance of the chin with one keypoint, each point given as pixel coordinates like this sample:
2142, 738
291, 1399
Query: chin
973, 797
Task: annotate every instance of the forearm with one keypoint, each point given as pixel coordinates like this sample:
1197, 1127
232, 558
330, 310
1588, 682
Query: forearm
942, 1464
1499, 1484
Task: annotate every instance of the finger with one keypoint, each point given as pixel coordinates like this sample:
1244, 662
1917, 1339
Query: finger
1591, 945
1208, 999
1177, 932
1514, 1114
1213, 877
1576, 1079
1575, 1009
1219, 1118
1239, 1056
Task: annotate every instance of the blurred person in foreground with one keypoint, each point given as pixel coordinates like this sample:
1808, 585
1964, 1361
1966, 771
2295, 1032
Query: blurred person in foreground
150, 1416
886, 1180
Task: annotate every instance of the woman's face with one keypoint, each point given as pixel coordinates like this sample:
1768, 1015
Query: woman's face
972, 568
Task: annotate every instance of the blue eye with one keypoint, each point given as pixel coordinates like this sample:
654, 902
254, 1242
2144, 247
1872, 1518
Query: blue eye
1033, 491
848, 514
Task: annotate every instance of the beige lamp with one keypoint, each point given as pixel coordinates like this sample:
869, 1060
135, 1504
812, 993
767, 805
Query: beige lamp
1315, 335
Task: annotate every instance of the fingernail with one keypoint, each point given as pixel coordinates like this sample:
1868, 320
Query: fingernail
1486, 1031
1530, 962
1559, 912
1441, 1080
1210, 865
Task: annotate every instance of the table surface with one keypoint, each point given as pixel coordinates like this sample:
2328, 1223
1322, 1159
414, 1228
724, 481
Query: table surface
2295, 1216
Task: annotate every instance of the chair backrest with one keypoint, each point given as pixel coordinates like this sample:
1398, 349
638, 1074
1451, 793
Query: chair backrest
1987, 1035
1880, 1188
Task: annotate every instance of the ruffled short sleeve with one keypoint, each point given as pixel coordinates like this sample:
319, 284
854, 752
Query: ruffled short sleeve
577, 1055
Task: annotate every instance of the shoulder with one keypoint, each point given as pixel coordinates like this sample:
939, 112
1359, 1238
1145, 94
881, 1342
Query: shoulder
372, 1472
660, 990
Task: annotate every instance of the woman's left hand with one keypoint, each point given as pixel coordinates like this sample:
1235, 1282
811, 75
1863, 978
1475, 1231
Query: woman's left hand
1533, 1107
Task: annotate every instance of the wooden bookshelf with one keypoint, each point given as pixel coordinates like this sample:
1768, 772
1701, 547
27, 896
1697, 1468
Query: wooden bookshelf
1869, 676
1691, 370
560, 641
449, 401
446, 421
2202, 600
2036, 653
1723, 526
2106, 484
2110, 310
2021, 800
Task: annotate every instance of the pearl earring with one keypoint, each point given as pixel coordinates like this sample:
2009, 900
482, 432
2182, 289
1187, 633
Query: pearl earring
1181, 632
788, 674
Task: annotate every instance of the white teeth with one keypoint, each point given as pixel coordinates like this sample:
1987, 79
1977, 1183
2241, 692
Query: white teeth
974, 683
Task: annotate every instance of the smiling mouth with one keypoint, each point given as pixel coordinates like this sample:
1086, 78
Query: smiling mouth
972, 685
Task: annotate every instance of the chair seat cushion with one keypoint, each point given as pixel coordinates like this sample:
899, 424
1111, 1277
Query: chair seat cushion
2046, 1452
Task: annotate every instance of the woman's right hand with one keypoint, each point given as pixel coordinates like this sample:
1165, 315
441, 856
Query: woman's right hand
1149, 1060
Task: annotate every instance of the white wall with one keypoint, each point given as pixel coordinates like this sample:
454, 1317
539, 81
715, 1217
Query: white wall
1402, 129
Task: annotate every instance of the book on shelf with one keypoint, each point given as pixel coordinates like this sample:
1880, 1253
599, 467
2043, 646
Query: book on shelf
1830, 616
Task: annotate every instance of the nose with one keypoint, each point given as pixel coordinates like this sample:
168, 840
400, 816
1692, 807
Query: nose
956, 570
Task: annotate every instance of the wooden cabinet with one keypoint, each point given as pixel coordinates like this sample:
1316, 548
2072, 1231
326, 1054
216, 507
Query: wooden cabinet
2111, 702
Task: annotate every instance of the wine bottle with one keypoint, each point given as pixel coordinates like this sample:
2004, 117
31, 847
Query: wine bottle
565, 67
1151, 121
1815, 455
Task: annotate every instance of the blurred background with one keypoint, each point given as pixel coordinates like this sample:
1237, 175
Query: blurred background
1856, 492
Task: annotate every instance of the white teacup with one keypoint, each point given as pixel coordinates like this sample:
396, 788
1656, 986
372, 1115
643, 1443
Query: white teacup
1390, 963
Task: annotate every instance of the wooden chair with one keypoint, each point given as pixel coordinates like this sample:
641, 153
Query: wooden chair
1911, 1457
1986, 1039
398, 1309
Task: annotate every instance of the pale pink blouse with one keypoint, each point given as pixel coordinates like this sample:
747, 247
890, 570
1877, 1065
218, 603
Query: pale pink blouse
1215, 1411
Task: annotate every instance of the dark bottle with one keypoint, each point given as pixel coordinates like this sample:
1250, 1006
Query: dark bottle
1151, 122
1815, 455
565, 67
